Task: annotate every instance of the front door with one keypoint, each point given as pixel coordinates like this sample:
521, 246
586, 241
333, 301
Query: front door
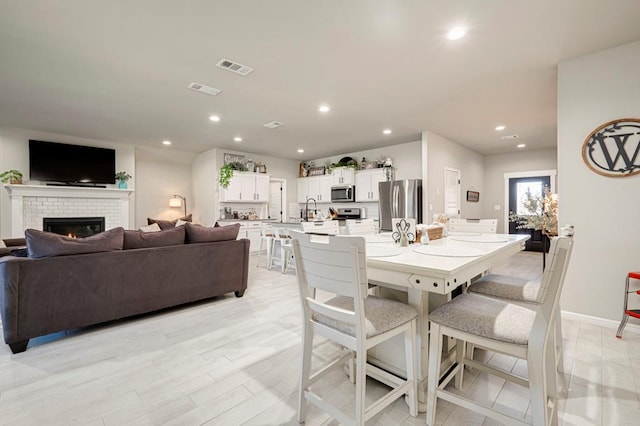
518, 187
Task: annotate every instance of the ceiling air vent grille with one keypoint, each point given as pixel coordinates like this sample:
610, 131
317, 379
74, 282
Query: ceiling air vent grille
509, 137
228, 65
273, 124
204, 89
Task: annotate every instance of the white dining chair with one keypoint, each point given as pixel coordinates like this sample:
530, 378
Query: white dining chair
282, 238
266, 239
482, 226
360, 227
326, 227
500, 326
352, 319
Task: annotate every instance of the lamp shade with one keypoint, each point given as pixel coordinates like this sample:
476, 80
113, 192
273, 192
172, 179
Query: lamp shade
175, 202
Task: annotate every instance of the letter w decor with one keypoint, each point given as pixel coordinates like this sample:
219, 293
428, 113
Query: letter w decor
613, 149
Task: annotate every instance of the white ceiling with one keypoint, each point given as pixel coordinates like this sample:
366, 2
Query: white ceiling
118, 70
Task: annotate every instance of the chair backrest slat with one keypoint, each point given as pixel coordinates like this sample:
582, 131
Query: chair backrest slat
333, 312
484, 226
555, 271
334, 264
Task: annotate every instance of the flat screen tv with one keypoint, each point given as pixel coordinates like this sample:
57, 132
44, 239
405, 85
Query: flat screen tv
71, 164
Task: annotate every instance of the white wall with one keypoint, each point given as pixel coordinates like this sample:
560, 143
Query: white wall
156, 183
406, 158
443, 153
14, 154
495, 166
592, 90
205, 180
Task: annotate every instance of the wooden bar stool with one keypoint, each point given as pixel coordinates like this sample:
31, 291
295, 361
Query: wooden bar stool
626, 312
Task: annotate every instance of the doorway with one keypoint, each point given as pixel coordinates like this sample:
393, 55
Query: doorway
277, 200
516, 187
451, 192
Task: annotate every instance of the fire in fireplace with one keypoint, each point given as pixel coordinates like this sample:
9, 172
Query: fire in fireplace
76, 227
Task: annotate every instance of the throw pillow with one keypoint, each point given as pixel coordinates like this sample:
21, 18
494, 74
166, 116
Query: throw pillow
140, 239
2, 244
166, 224
47, 244
19, 253
154, 227
205, 234
180, 222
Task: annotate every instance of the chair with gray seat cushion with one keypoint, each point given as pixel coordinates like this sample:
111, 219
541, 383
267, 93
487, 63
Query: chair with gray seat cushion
525, 332
352, 319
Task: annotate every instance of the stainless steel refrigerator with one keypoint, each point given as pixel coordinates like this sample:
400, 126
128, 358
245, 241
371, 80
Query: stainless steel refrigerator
399, 198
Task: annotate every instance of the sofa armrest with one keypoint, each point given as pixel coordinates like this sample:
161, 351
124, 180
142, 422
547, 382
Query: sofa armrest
15, 242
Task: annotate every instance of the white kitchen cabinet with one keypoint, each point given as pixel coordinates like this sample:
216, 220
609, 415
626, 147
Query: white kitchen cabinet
367, 184
316, 187
250, 230
246, 187
343, 176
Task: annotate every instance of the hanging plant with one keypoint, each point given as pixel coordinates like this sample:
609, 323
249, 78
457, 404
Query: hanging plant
226, 172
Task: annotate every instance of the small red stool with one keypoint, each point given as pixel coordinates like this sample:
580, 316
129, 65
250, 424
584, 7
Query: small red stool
626, 313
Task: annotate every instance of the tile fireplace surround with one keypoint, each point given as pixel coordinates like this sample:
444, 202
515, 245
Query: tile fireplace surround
31, 203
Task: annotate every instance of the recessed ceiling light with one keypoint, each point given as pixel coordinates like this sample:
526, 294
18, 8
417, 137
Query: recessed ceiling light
237, 139
166, 142
456, 33
500, 128
521, 145
324, 108
387, 131
300, 151
214, 118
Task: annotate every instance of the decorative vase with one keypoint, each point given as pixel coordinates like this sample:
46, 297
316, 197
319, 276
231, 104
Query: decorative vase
122, 184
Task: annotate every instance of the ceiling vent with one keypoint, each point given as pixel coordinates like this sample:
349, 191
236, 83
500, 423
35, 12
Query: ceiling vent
509, 137
228, 65
204, 89
273, 124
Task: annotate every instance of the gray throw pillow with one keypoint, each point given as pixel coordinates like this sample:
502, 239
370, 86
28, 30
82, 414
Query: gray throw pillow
140, 239
47, 244
168, 224
205, 234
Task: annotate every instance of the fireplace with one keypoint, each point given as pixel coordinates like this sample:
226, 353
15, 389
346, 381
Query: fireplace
73, 226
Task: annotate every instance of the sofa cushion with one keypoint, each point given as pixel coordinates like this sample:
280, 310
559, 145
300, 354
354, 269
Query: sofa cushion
166, 224
47, 244
205, 234
140, 239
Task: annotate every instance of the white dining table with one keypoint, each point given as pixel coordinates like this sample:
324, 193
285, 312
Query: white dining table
418, 271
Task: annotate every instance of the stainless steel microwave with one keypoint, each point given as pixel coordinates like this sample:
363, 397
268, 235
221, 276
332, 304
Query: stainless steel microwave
343, 194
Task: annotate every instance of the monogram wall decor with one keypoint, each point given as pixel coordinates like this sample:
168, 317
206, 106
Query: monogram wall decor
613, 149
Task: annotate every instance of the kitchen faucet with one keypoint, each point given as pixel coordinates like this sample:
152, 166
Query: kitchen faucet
306, 208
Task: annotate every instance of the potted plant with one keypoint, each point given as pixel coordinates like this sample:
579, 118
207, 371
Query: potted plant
226, 172
122, 178
11, 176
541, 215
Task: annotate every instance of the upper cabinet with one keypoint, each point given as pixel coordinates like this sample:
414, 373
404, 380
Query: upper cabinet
367, 184
316, 187
343, 176
246, 187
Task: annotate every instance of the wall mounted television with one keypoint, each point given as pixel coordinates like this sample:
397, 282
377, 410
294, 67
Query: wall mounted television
71, 164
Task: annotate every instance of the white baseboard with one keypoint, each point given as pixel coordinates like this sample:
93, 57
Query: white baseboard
604, 322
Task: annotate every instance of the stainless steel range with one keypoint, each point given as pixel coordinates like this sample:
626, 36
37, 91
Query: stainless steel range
344, 214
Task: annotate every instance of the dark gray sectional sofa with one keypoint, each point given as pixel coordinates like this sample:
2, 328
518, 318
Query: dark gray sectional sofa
44, 295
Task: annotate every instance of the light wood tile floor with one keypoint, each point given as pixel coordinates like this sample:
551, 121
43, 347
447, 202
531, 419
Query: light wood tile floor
235, 362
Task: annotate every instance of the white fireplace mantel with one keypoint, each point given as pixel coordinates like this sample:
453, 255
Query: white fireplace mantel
19, 192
